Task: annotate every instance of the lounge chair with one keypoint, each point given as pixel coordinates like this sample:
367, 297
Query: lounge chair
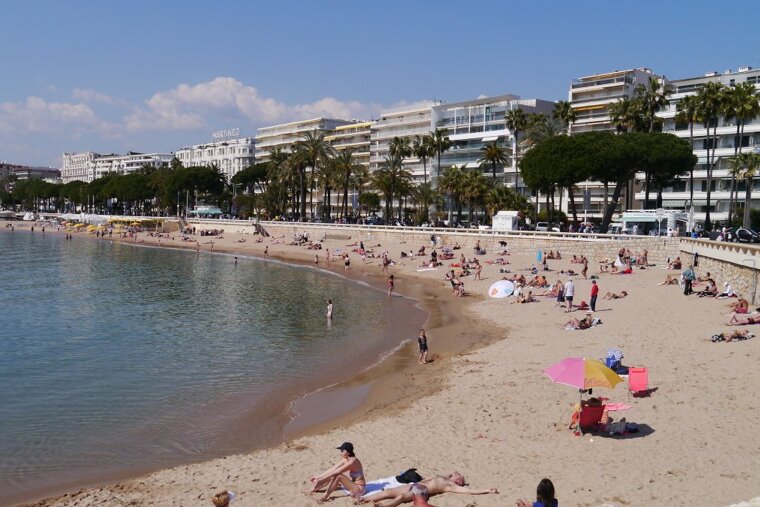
638, 381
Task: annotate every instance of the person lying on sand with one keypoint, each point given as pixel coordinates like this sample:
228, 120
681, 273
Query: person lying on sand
733, 336
746, 321
576, 324
453, 483
612, 295
669, 280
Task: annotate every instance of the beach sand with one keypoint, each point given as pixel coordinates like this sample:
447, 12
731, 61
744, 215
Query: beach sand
489, 411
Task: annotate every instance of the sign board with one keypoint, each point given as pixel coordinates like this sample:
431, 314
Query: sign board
221, 135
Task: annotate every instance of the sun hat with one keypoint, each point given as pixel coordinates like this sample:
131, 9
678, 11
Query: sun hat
346, 446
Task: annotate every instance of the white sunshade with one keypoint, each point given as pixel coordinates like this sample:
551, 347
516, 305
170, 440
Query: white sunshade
490, 139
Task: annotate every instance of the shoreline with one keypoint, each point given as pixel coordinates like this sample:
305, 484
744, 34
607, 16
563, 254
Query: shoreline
491, 413
380, 382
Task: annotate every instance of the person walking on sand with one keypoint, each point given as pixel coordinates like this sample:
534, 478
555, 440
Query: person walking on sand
329, 308
594, 295
390, 285
585, 267
569, 294
423, 345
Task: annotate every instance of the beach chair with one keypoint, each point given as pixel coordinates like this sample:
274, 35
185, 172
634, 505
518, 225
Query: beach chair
638, 381
590, 418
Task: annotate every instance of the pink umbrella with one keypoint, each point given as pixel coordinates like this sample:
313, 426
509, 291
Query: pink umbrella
583, 373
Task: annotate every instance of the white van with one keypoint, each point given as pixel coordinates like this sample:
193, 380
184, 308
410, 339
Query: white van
542, 226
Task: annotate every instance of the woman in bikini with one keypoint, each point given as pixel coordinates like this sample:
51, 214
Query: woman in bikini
348, 472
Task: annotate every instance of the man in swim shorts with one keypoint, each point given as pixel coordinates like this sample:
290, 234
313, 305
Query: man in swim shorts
453, 483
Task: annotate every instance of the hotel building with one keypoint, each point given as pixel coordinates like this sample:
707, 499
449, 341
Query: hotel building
230, 155
88, 166
676, 197
285, 135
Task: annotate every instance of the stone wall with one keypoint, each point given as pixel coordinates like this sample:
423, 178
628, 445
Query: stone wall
735, 263
592, 246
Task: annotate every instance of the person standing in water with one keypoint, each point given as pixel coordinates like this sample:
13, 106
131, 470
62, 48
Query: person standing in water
329, 308
423, 345
390, 285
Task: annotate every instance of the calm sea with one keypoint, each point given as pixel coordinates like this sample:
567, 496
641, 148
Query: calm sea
116, 359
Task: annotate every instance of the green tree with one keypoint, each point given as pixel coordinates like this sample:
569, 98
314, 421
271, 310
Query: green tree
747, 165
314, 150
441, 144
452, 182
517, 122
742, 104
687, 111
502, 198
494, 154
425, 196
389, 179
626, 116
563, 111
400, 147
649, 99
370, 201
423, 148
711, 98
346, 167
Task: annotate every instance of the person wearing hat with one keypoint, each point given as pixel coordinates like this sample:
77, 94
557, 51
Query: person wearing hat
348, 473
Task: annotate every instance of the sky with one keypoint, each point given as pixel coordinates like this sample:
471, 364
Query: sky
154, 76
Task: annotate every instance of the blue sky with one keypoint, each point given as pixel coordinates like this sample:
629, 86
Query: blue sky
156, 76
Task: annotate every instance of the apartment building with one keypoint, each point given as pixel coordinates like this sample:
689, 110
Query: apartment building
285, 135
405, 122
24, 172
590, 98
472, 124
229, 155
88, 166
676, 197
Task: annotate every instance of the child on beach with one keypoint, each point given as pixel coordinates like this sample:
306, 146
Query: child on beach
423, 345
544, 496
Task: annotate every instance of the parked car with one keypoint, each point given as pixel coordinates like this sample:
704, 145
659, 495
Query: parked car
542, 226
742, 235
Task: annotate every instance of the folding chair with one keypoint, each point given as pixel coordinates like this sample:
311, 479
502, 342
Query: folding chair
590, 418
638, 381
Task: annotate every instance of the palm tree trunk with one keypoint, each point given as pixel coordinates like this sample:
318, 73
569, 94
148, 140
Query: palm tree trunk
548, 215
647, 177
746, 223
691, 172
733, 175
571, 195
517, 159
708, 222
424, 168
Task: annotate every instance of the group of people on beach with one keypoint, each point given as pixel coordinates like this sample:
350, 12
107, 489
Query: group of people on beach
348, 474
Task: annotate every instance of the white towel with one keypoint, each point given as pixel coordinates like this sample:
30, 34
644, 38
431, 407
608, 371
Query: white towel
378, 485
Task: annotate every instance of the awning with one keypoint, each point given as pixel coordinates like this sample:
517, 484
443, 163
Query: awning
472, 165
589, 108
490, 139
682, 203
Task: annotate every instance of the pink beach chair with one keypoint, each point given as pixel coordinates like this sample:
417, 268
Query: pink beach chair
638, 381
590, 418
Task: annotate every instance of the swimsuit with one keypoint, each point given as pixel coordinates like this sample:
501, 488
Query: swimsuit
422, 343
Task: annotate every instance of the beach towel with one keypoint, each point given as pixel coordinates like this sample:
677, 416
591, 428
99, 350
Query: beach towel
378, 485
426, 269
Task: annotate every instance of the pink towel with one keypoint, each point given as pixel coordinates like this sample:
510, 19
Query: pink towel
614, 407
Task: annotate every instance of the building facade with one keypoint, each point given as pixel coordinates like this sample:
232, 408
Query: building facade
473, 124
403, 123
88, 166
23, 172
229, 155
283, 136
676, 197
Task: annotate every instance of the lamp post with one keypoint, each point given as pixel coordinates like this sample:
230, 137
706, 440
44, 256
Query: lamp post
234, 194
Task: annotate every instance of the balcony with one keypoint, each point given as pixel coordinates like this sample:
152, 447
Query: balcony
576, 83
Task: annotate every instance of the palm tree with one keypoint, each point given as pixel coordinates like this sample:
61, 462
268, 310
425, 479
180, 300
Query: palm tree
316, 150
441, 143
495, 154
388, 179
422, 148
746, 165
452, 182
500, 197
543, 127
710, 98
650, 98
400, 147
345, 167
516, 121
425, 196
626, 116
476, 186
687, 110
742, 104
563, 111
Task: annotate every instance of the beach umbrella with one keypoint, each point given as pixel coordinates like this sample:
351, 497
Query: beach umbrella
583, 373
501, 289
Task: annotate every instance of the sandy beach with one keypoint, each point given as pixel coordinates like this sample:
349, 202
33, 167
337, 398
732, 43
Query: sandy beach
485, 408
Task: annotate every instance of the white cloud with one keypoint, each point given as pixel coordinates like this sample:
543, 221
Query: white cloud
92, 96
36, 115
190, 107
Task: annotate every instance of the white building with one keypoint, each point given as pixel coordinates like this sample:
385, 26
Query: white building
88, 166
229, 155
472, 124
676, 197
286, 134
590, 98
406, 122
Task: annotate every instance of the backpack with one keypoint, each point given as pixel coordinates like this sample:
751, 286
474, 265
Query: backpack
409, 476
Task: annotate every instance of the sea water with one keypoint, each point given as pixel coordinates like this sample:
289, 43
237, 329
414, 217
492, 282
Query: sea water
117, 358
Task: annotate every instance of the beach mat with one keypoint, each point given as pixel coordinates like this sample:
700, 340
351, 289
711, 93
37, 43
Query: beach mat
378, 485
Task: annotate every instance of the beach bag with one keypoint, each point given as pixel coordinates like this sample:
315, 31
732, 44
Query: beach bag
409, 476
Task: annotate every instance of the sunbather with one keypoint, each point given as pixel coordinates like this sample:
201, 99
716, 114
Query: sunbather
576, 324
612, 295
670, 280
746, 321
347, 473
453, 483
733, 336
